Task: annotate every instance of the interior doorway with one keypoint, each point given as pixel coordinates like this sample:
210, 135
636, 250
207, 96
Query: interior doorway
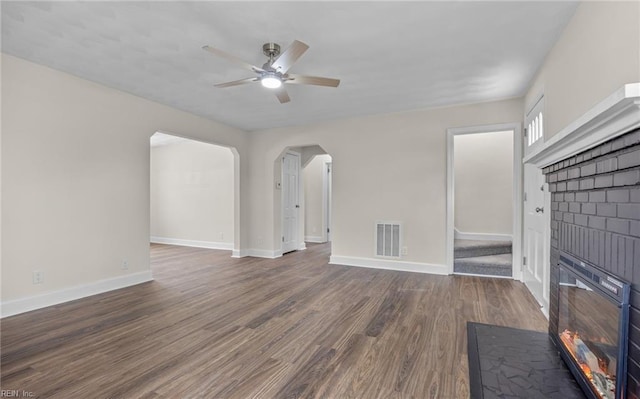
192, 196
311, 191
484, 184
317, 199
290, 201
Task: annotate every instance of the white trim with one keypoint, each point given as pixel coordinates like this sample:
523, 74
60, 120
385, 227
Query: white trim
517, 191
22, 305
615, 115
403, 266
302, 246
482, 236
326, 203
315, 239
257, 253
482, 275
192, 243
545, 312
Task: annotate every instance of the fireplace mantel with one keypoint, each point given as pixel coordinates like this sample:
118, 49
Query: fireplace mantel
615, 115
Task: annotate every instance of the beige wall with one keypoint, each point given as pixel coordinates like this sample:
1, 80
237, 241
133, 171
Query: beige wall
385, 167
192, 193
483, 170
75, 177
314, 215
598, 52
75, 160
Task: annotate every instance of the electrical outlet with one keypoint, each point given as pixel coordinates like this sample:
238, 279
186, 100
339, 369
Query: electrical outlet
125, 265
404, 251
38, 277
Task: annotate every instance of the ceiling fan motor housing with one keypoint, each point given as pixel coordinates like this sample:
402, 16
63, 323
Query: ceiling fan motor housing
271, 50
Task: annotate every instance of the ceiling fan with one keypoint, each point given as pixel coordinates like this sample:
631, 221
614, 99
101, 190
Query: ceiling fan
274, 73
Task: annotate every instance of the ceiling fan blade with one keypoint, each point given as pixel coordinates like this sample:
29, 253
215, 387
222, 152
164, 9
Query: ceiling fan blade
287, 58
282, 95
236, 82
232, 58
312, 80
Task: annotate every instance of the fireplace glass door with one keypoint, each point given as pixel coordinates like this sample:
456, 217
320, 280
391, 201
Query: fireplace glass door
589, 330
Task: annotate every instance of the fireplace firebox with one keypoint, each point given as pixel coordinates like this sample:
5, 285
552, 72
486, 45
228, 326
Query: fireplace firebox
593, 325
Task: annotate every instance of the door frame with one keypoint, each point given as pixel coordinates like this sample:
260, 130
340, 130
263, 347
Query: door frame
300, 201
516, 128
327, 181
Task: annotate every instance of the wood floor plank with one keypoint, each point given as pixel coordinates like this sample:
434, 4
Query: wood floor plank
211, 326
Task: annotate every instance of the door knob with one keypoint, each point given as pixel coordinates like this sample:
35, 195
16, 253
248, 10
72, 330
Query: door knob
539, 210
297, 206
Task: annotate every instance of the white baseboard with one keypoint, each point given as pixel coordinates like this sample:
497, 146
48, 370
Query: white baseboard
386, 264
461, 235
315, 239
257, 253
302, 246
22, 305
482, 275
192, 243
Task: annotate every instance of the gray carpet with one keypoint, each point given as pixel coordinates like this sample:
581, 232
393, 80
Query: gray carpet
471, 248
492, 258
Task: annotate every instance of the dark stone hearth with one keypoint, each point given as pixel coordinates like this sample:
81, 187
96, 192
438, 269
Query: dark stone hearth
507, 362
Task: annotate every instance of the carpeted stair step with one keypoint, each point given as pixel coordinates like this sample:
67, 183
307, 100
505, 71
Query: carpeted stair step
495, 265
474, 248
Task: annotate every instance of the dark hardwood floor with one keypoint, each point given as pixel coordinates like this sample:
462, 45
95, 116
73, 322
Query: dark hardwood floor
210, 326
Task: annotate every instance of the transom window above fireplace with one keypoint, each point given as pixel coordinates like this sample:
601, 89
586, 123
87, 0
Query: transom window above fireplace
534, 125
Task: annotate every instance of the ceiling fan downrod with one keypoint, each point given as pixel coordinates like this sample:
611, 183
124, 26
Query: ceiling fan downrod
271, 50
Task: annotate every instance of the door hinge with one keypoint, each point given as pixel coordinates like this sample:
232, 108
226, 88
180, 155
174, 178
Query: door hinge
524, 261
525, 196
282, 238
526, 131
328, 230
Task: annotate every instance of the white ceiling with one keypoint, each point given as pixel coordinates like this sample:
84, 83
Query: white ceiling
390, 56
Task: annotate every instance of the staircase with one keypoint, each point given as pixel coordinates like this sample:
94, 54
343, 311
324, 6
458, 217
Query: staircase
482, 257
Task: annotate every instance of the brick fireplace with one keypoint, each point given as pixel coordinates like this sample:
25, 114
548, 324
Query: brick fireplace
595, 217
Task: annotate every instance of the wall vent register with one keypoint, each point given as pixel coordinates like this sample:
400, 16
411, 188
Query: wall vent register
388, 239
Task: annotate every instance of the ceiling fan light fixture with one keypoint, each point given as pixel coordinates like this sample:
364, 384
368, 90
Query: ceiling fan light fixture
271, 81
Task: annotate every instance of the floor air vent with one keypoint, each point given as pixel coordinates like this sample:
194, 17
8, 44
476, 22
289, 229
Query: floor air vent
388, 239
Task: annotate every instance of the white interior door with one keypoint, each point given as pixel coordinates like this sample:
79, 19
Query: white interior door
290, 201
535, 271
